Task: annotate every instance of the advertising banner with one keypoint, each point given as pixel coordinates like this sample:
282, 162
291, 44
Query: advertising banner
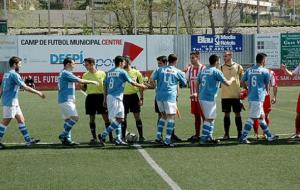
270, 45
290, 50
209, 43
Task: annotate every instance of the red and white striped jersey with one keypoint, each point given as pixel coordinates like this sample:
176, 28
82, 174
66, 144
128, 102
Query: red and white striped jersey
192, 75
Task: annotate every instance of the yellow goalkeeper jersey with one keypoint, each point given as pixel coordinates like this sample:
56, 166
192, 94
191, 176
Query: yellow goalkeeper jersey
136, 76
235, 70
98, 76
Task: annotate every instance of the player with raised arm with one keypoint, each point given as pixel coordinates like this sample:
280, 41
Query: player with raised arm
192, 75
168, 78
209, 81
11, 84
66, 99
95, 97
295, 72
114, 85
257, 78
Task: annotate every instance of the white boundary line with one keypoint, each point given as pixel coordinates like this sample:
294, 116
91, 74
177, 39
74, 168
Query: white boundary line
157, 168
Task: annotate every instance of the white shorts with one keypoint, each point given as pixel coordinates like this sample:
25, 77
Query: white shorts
11, 112
167, 107
115, 108
255, 109
209, 109
68, 109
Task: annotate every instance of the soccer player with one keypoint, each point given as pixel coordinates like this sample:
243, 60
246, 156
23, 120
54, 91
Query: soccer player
95, 97
114, 85
66, 99
161, 61
297, 120
209, 81
11, 84
257, 78
230, 95
267, 102
191, 75
168, 78
132, 102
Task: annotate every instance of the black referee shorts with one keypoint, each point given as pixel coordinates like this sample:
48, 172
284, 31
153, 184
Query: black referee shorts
231, 102
94, 104
131, 103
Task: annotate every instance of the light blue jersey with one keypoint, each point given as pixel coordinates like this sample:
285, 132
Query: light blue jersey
168, 78
209, 82
66, 86
11, 84
115, 82
258, 80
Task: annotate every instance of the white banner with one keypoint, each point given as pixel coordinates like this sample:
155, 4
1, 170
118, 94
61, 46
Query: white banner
8, 47
270, 45
158, 45
45, 54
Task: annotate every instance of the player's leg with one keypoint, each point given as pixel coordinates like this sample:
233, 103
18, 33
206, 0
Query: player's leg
162, 121
139, 125
104, 113
170, 127
236, 106
3, 126
196, 111
91, 103
107, 124
210, 111
23, 129
70, 116
8, 114
170, 110
127, 105
255, 127
93, 129
116, 116
254, 114
226, 108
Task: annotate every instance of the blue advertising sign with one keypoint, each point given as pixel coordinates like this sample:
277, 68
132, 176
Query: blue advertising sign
217, 43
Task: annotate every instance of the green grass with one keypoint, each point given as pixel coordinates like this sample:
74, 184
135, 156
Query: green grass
226, 166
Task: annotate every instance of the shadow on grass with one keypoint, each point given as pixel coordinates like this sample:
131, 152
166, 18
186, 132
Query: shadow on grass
152, 144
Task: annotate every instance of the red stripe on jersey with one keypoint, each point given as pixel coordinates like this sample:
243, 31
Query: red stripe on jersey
192, 77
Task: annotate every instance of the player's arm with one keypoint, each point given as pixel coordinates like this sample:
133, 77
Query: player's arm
141, 86
151, 83
274, 98
18, 80
29, 89
140, 81
286, 71
83, 81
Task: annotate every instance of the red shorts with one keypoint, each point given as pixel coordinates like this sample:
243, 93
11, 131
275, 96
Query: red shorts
298, 104
196, 108
267, 104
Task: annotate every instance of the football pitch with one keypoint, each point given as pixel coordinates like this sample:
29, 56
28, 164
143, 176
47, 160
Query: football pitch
228, 165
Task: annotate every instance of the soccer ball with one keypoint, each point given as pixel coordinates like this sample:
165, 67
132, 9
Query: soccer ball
131, 137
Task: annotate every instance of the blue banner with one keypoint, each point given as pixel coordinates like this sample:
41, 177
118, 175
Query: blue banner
217, 43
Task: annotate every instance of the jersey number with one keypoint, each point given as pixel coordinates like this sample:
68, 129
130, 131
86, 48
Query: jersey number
203, 81
111, 83
254, 81
168, 79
